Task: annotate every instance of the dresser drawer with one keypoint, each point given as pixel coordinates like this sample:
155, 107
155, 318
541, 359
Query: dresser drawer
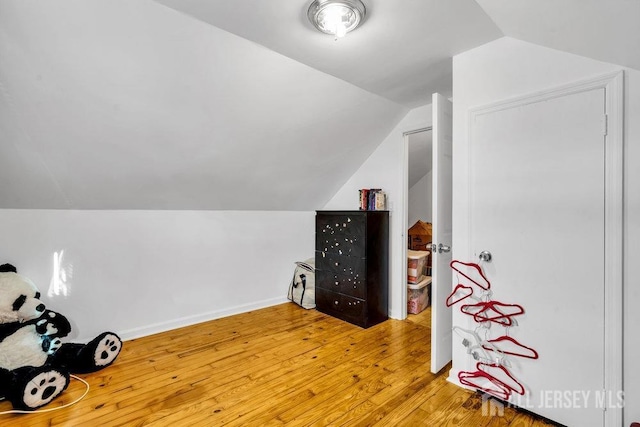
355, 286
342, 306
348, 266
341, 234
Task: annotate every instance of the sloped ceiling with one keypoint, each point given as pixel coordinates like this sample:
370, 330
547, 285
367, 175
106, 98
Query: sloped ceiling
239, 104
402, 51
606, 30
119, 104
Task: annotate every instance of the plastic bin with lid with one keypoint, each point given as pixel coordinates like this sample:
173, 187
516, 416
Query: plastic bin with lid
418, 297
416, 262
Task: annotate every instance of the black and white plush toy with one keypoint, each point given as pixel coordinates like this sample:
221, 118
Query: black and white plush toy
34, 362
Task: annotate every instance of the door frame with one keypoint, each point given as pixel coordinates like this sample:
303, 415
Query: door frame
613, 85
405, 208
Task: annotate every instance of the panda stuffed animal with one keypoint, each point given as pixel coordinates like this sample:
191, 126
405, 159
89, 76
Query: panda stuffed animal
34, 362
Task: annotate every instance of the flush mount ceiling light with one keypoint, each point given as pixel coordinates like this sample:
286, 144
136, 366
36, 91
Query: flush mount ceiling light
336, 17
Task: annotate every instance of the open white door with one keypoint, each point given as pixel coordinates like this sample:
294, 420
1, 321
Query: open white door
442, 226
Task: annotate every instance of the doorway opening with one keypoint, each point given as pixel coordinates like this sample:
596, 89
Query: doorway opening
418, 214
419, 194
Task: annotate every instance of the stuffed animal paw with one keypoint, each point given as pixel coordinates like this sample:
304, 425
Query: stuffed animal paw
99, 353
30, 388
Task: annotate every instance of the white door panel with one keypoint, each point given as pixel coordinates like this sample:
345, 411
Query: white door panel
441, 322
537, 204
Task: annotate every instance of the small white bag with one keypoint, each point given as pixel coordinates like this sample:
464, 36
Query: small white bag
302, 289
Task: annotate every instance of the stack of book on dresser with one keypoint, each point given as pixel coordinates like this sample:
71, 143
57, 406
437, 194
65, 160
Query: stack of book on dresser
373, 199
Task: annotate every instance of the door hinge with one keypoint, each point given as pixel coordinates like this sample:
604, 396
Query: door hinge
605, 125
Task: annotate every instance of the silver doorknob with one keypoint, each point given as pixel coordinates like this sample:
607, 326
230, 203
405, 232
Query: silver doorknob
443, 248
431, 247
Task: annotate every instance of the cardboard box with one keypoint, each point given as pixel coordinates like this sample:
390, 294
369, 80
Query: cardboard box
420, 235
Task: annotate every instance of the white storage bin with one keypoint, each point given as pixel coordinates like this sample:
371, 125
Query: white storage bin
416, 262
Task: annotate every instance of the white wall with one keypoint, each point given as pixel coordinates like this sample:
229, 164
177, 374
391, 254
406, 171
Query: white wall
384, 169
141, 272
507, 68
419, 203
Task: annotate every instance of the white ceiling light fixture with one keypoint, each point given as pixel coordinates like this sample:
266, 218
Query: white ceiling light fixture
336, 17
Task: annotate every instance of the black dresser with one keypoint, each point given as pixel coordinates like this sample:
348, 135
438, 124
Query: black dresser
352, 265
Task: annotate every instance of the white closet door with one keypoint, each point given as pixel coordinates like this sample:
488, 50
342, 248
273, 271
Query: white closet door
537, 196
441, 320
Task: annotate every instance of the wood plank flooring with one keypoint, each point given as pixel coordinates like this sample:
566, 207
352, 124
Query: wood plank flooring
277, 366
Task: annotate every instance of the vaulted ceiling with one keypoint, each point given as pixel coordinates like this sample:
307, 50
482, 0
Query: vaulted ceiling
239, 104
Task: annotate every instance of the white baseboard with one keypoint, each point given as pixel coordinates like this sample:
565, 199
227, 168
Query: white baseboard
453, 378
156, 328
396, 315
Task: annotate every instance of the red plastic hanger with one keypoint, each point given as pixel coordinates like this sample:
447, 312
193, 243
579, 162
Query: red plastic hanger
508, 345
483, 381
494, 311
459, 293
496, 316
472, 272
501, 374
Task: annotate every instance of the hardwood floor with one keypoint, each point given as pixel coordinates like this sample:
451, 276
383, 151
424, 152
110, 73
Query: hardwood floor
281, 365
